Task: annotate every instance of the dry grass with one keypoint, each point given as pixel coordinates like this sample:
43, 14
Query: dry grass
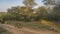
48, 23
3, 31
43, 24
52, 26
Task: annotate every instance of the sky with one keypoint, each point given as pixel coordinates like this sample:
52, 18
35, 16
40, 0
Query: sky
5, 4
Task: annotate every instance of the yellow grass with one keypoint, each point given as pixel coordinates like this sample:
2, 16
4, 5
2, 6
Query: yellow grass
47, 23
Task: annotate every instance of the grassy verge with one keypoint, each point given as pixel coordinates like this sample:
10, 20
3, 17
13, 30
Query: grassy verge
43, 24
3, 31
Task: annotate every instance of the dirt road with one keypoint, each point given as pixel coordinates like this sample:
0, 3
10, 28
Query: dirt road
15, 30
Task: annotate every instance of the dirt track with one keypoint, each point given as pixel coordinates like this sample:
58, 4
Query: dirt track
15, 30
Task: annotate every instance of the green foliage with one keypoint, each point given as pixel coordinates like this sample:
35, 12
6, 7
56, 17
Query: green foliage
41, 12
49, 2
31, 17
23, 14
56, 13
29, 3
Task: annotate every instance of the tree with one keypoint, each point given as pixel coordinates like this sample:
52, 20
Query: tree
56, 13
14, 10
53, 3
29, 3
49, 3
40, 13
19, 13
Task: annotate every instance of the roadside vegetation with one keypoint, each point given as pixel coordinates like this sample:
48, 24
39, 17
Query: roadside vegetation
41, 17
4, 31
